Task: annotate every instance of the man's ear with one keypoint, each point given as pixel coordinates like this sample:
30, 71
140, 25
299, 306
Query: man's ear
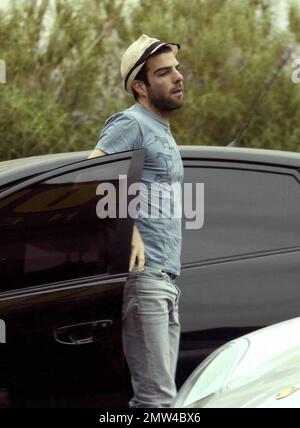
139, 87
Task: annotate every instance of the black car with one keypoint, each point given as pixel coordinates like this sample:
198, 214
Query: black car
63, 269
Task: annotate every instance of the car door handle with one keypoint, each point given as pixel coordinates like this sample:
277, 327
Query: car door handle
82, 334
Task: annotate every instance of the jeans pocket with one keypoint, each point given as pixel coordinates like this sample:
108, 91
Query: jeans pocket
147, 274
178, 293
129, 305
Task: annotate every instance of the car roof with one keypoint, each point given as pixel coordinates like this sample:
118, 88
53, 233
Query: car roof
275, 157
18, 169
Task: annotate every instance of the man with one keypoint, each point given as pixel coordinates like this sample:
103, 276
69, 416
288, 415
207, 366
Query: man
151, 73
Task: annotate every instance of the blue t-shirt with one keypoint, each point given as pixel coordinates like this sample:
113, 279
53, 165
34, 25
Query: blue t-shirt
159, 222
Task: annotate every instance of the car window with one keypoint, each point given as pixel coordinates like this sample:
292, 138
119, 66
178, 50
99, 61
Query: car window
245, 211
51, 231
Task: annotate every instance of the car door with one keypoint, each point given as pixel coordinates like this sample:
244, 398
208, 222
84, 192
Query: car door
241, 269
64, 254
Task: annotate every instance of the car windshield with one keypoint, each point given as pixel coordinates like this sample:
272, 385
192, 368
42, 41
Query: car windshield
211, 375
283, 365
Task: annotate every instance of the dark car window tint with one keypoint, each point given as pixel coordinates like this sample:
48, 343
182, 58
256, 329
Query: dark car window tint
51, 232
244, 212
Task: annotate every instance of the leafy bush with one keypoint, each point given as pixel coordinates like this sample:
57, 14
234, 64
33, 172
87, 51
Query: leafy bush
62, 71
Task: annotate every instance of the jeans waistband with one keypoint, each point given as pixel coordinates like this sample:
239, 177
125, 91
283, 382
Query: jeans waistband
171, 275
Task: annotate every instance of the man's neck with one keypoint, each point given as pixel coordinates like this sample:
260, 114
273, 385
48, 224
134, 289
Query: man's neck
164, 115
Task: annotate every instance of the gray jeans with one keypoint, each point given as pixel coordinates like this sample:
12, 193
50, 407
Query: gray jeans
151, 332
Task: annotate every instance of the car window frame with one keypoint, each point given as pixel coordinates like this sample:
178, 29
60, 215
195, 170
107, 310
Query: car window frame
122, 247
240, 165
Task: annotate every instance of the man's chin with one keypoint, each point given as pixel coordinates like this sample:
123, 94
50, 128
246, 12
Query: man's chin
169, 105
178, 102
177, 105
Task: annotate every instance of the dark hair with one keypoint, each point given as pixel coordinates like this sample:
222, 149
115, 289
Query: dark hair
142, 74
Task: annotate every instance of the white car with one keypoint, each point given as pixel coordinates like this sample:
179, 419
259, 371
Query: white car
260, 369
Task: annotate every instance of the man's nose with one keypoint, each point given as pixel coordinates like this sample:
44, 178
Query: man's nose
178, 77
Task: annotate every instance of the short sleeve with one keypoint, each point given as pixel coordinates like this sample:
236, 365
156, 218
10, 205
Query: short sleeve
120, 133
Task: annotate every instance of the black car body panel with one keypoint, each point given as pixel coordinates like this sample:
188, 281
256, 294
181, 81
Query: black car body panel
240, 269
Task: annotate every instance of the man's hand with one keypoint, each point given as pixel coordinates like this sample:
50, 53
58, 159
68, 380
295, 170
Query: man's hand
95, 153
137, 250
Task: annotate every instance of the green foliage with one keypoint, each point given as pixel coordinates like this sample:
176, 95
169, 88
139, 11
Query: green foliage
62, 71
62, 75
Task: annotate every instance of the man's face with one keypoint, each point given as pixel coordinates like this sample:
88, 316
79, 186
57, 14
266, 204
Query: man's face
165, 90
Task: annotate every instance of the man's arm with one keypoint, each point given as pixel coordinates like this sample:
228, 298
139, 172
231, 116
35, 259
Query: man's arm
137, 244
95, 153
